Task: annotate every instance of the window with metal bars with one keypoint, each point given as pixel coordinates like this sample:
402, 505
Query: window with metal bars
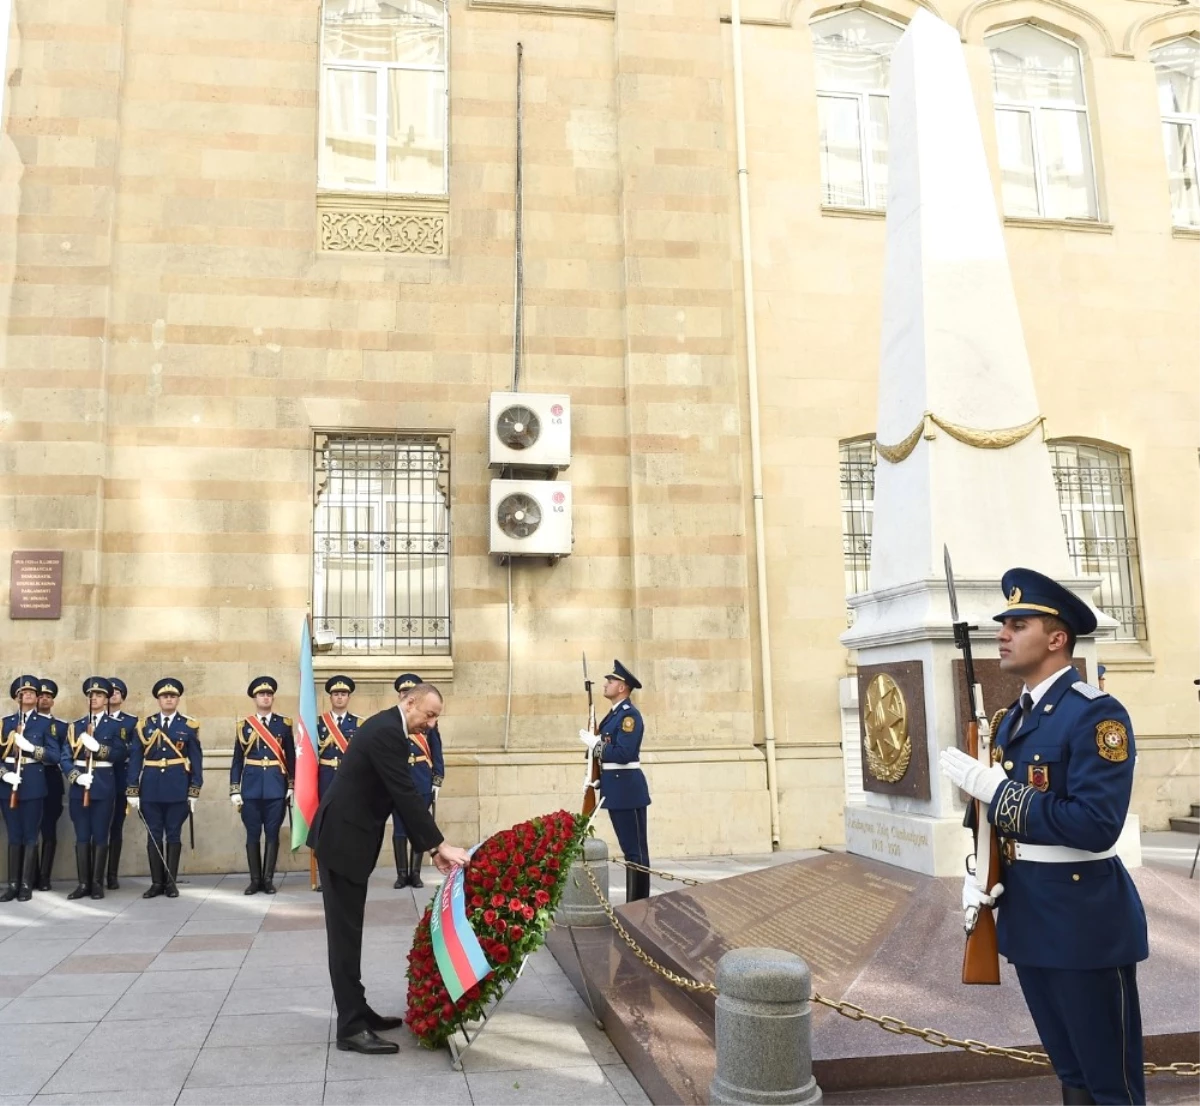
857, 469
381, 542
1095, 495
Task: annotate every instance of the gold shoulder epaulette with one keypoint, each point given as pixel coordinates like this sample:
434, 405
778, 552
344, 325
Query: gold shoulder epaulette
287, 721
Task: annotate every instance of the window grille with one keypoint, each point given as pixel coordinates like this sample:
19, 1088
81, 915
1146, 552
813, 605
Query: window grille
1095, 495
381, 543
857, 466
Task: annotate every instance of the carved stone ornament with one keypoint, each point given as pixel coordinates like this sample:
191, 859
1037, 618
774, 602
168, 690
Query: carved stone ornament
354, 223
885, 715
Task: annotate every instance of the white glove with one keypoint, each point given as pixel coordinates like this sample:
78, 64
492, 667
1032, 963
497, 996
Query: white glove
974, 895
11, 778
84, 779
966, 772
90, 743
133, 802
436, 789
591, 740
24, 744
191, 804
237, 801
290, 793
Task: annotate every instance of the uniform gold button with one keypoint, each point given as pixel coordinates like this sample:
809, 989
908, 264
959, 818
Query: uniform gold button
1008, 766
1075, 876
1037, 756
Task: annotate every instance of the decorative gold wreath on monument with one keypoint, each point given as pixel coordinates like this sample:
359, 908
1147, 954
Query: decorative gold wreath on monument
885, 717
980, 439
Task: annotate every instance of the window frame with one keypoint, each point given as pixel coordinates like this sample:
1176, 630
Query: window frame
1192, 121
1034, 108
382, 564
862, 99
382, 70
850, 506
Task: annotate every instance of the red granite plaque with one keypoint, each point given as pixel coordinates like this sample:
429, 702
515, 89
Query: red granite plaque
35, 590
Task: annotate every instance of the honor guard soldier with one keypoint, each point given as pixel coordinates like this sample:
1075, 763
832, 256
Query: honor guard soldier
166, 772
26, 746
52, 805
1071, 922
260, 780
622, 782
428, 769
116, 835
335, 728
95, 743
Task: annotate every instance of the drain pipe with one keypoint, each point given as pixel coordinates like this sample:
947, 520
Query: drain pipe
760, 540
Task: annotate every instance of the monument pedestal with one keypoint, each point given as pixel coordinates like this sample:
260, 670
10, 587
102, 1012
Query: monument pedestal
914, 842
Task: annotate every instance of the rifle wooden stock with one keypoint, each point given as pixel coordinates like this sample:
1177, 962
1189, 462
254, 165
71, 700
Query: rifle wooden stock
590, 788
981, 955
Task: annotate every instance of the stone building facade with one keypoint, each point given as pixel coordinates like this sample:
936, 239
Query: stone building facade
236, 249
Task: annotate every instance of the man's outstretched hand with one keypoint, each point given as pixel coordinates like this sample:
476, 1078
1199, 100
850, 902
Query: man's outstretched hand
448, 857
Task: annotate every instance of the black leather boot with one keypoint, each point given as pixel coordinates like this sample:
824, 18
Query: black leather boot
630, 885
14, 873
171, 888
114, 865
1077, 1096
83, 871
270, 857
37, 866
642, 885
414, 869
28, 875
254, 859
158, 874
46, 864
99, 862
400, 850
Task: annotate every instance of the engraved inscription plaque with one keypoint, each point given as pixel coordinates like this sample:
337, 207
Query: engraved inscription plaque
832, 910
35, 588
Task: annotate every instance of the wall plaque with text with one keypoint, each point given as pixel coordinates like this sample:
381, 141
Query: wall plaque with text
35, 590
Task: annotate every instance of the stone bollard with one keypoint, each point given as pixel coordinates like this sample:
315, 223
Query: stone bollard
579, 906
764, 1029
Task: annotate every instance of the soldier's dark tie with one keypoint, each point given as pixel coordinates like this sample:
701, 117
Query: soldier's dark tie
1026, 709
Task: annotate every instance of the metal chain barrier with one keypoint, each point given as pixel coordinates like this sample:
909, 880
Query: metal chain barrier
886, 1022
655, 872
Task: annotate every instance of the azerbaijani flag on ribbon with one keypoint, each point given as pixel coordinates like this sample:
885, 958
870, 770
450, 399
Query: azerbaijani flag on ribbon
304, 808
457, 950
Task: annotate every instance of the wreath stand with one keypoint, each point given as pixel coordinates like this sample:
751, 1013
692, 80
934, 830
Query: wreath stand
470, 1032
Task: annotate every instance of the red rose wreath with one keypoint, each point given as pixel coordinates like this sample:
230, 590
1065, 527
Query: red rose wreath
512, 887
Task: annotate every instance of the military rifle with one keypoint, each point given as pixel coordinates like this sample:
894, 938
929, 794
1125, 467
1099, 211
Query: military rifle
981, 956
592, 784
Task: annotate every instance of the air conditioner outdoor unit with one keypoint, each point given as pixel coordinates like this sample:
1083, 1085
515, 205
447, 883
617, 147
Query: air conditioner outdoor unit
531, 518
529, 430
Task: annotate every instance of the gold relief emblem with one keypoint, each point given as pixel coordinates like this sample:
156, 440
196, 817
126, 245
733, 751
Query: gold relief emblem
885, 717
1112, 741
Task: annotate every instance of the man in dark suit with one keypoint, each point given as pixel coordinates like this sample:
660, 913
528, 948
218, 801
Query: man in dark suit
346, 835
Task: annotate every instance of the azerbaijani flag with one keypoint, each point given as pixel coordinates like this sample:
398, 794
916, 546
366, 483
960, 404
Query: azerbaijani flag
456, 949
304, 808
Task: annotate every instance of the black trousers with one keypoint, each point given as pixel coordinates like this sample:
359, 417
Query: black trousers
345, 904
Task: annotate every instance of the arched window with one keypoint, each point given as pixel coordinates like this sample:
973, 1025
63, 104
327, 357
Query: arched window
1042, 125
1095, 495
383, 96
857, 471
853, 61
1177, 67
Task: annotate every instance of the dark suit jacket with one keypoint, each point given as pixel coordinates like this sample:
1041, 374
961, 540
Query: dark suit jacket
347, 831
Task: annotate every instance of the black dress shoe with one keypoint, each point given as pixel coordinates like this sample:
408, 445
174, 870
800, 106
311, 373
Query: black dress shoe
377, 1022
366, 1042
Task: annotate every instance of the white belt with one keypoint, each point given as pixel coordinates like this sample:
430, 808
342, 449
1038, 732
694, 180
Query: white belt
614, 767
95, 764
1057, 854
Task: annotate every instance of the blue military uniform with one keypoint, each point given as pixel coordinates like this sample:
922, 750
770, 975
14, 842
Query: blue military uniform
329, 752
1070, 919
427, 766
262, 778
623, 783
92, 802
166, 772
116, 835
25, 819
52, 805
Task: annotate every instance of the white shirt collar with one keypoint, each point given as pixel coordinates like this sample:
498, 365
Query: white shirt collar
1036, 693
265, 719
167, 719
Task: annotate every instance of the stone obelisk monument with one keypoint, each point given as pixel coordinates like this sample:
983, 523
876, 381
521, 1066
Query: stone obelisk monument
962, 460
